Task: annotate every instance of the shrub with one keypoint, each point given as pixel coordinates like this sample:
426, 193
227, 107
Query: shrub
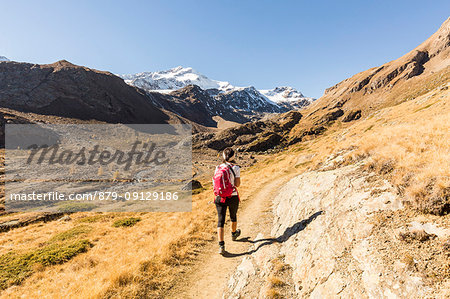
74, 232
273, 294
15, 267
433, 200
95, 218
446, 246
126, 222
72, 207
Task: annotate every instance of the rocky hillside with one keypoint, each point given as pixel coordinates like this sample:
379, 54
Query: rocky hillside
249, 100
385, 85
67, 90
255, 136
200, 106
203, 106
356, 98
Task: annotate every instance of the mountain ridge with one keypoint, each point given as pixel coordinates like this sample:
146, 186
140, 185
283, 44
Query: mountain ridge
179, 77
237, 104
66, 90
173, 79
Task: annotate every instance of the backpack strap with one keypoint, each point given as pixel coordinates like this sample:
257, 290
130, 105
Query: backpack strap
231, 168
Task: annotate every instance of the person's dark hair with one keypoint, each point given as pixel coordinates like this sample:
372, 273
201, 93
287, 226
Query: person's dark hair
227, 154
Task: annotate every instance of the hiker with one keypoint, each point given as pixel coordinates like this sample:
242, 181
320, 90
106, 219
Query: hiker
227, 177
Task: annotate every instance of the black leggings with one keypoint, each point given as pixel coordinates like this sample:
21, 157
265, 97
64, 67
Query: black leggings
232, 203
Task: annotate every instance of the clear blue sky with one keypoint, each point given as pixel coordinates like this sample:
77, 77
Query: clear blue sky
309, 45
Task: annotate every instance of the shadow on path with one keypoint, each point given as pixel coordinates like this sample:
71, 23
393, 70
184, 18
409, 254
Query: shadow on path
289, 232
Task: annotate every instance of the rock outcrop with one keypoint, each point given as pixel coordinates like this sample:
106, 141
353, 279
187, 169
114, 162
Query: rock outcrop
342, 233
11, 222
252, 136
352, 115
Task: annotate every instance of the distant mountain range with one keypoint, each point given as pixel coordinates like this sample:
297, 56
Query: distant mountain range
176, 95
217, 98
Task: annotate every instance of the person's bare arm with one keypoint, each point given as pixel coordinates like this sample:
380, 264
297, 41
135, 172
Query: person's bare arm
237, 182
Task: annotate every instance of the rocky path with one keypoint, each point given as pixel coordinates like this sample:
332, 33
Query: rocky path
210, 276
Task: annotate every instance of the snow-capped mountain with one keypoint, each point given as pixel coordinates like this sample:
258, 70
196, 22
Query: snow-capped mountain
287, 96
173, 79
3, 58
188, 91
248, 99
194, 103
282, 94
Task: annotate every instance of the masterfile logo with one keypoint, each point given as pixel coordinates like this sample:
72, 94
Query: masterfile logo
98, 167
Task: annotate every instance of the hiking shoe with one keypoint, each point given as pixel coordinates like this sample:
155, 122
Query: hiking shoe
235, 235
222, 249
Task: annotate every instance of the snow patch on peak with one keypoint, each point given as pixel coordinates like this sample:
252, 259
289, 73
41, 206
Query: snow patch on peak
174, 78
283, 94
287, 96
3, 58
179, 68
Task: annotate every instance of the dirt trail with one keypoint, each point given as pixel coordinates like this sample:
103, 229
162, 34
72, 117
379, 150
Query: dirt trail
209, 276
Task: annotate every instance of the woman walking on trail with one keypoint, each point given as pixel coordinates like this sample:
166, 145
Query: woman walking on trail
227, 177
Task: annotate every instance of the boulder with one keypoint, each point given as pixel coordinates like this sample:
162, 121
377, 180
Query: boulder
192, 185
331, 116
352, 115
264, 143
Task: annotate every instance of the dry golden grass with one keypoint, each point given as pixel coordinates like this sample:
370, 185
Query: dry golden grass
410, 144
114, 264
273, 294
275, 281
279, 265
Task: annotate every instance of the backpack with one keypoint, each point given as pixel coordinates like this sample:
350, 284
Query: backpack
222, 182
